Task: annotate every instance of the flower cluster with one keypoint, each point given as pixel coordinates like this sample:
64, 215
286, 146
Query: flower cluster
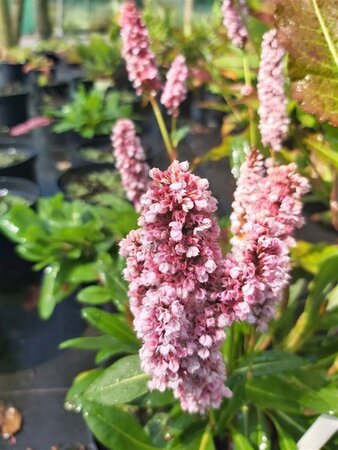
175, 90
30, 125
174, 271
266, 211
130, 160
232, 20
274, 122
140, 60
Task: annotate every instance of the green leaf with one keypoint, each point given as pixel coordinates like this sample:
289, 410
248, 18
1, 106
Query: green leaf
274, 392
309, 256
157, 428
262, 432
113, 324
94, 295
115, 428
322, 149
120, 383
239, 150
270, 362
178, 135
97, 343
326, 275
240, 442
110, 271
80, 384
104, 354
195, 438
307, 29
47, 300
285, 441
323, 401
18, 221
156, 398
83, 273
231, 406
203, 441
217, 153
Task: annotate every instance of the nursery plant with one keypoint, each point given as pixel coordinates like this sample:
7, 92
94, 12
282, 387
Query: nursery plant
73, 243
195, 310
91, 113
96, 155
96, 186
224, 330
100, 57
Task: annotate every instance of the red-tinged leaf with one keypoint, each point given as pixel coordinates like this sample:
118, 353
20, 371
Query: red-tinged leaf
308, 30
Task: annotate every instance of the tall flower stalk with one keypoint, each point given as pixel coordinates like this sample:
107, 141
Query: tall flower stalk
140, 60
175, 89
130, 161
274, 121
266, 211
233, 22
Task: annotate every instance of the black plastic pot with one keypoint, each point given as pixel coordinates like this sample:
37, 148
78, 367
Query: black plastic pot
13, 109
12, 268
23, 169
55, 93
101, 143
27, 341
76, 172
11, 73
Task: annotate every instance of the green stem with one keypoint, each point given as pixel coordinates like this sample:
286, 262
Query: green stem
163, 129
230, 352
245, 411
173, 124
232, 109
247, 79
246, 70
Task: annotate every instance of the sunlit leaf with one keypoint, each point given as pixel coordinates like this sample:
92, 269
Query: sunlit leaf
309, 256
307, 29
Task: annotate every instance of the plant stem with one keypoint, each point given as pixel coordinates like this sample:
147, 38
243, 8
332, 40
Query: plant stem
173, 124
6, 38
247, 79
245, 411
188, 13
163, 129
231, 107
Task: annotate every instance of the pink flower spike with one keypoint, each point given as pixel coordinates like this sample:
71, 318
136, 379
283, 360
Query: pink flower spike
173, 268
232, 20
266, 211
130, 161
274, 121
175, 90
140, 60
30, 125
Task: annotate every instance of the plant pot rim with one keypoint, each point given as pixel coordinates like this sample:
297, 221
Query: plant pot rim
83, 170
30, 153
7, 63
21, 186
23, 93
